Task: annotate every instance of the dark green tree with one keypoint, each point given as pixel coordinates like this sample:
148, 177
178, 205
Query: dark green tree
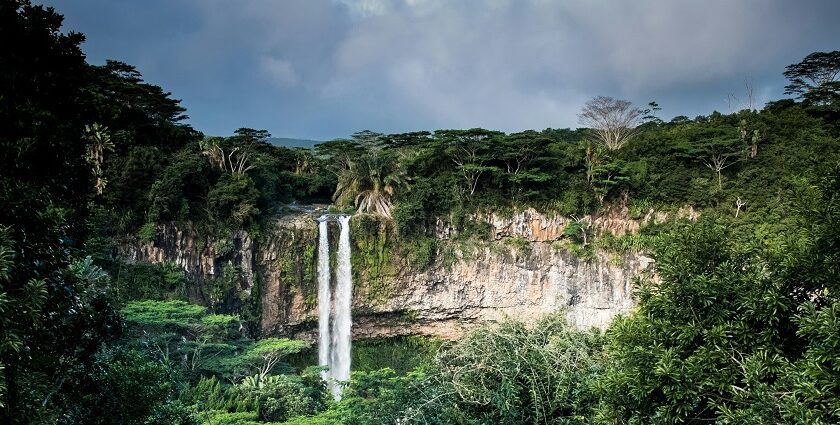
371, 183
815, 78
731, 331
52, 320
471, 151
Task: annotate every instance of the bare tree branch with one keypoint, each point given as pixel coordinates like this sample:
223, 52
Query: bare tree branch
611, 122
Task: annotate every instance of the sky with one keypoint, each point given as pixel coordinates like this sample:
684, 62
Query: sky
324, 69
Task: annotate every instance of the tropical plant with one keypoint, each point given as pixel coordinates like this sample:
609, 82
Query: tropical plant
371, 182
732, 331
124, 387
99, 141
513, 374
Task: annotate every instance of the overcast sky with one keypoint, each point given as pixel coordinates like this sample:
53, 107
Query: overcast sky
324, 69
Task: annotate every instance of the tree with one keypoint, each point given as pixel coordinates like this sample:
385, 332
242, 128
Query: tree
732, 332
371, 181
407, 140
339, 154
283, 397
611, 122
649, 113
235, 154
368, 139
606, 176
100, 141
229, 157
815, 78
266, 353
519, 152
144, 124
704, 338
384, 397
30, 301
716, 148
51, 319
304, 161
233, 199
124, 387
719, 154
169, 331
180, 190
717, 162
602, 172
470, 151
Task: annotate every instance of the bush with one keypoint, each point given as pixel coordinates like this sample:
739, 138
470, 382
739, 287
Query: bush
513, 374
288, 396
233, 200
128, 389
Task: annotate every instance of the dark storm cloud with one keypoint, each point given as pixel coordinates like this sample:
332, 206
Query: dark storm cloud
323, 69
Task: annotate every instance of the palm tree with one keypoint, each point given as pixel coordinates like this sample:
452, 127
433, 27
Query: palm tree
371, 181
100, 141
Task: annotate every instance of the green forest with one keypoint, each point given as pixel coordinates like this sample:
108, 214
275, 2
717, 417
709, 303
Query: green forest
739, 325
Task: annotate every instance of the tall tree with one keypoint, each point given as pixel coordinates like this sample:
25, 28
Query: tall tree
52, 321
815, 78
471, 151
611, 122
370, 183
520, 152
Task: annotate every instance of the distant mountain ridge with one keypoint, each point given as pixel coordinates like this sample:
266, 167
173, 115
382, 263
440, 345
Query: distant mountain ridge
293, 143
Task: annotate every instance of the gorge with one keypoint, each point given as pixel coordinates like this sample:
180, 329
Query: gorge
523, 270
165, 266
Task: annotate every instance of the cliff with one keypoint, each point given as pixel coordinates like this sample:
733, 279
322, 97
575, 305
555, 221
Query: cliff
440, 289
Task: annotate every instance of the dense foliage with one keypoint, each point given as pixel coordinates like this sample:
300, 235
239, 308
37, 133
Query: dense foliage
741, 323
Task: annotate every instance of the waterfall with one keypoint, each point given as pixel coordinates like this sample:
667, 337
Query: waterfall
334, 343
343, 296
323, 298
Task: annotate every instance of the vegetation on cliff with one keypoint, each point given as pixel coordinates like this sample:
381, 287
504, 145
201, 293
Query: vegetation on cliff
740, 326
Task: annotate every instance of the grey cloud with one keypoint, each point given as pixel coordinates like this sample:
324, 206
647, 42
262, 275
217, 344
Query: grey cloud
326, 68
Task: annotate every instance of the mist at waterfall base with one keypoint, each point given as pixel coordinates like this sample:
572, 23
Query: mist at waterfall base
334, 343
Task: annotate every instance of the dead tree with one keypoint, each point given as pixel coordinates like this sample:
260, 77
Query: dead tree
611, 122
738, 205
234, 161
717, 163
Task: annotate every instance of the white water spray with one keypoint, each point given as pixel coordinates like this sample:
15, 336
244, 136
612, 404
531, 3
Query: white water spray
323, 298
334, 342
343, 296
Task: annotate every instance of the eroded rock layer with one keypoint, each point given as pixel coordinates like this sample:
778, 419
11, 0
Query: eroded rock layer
393, 295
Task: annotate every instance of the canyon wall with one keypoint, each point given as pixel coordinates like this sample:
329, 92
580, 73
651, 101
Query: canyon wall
523, 271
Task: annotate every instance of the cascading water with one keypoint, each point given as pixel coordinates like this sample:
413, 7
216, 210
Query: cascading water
334, 347
343, 296
323, 297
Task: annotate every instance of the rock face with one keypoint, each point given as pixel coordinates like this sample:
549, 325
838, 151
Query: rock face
523, 273
502, 281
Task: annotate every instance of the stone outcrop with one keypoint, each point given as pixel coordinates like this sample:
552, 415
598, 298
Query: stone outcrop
504, 281
196, 256
462, 287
